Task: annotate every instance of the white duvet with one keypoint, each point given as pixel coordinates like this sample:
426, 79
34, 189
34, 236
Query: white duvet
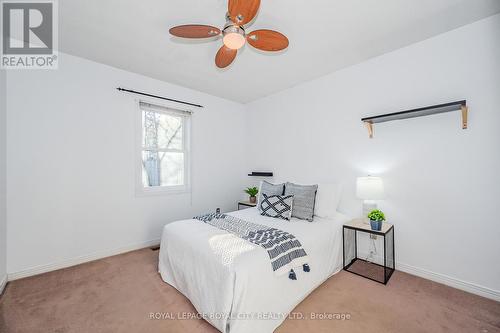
230, 281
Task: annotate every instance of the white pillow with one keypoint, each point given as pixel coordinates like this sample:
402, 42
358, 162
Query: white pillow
327, 199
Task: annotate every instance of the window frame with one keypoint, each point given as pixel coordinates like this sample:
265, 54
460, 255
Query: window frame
186, 116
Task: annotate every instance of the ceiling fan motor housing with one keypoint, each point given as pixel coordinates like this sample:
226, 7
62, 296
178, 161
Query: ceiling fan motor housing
231, 28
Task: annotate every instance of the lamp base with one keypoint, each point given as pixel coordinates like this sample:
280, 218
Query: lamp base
368, 206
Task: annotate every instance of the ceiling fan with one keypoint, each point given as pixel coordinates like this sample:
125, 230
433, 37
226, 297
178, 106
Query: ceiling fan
240, 12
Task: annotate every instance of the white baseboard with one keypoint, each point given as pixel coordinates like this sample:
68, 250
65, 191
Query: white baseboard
423, 273
79, 260
3, 283
450, 281
440, 278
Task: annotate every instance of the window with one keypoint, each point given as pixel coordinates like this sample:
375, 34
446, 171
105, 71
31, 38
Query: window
164, 159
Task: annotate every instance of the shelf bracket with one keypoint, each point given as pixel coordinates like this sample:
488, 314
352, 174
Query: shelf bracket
465, 111
369, 126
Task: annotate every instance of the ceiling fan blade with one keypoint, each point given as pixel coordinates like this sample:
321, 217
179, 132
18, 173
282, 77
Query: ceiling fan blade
243, 11
267, 40
225, 56
194, 31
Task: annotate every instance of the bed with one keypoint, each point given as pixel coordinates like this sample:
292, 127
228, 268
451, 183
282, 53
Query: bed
229, 280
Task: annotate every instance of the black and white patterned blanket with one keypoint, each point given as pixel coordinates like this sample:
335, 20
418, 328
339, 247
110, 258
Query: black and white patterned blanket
285, 251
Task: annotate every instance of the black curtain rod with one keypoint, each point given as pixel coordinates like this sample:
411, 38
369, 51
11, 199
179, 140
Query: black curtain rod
160, 97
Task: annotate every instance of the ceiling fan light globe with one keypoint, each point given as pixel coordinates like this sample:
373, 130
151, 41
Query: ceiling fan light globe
234, 40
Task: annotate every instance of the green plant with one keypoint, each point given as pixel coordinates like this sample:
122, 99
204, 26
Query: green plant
252, 191
376, 215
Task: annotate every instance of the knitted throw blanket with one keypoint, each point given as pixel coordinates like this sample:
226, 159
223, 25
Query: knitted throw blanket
284, 250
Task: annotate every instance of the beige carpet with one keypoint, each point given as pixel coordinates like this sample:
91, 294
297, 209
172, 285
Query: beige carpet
117, 294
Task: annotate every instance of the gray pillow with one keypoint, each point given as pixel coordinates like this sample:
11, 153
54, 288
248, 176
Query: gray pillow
269, 189
304, 197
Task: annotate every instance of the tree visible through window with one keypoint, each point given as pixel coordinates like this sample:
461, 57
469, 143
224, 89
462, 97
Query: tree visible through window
164, 143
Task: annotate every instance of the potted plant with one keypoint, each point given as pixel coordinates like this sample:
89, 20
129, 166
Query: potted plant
376, 218
252, 192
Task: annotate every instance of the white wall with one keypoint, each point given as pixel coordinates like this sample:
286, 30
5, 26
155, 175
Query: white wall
3, 193
442, 182
71, 164
70, 155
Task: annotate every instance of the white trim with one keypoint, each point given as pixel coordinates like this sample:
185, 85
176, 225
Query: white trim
162, 190
3, 283
440, 278
80, 260
420, 272
450, 281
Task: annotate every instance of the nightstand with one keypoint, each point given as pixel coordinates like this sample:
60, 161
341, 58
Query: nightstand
246, 204
370, 270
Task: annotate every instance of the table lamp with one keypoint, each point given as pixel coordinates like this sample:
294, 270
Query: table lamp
369, 189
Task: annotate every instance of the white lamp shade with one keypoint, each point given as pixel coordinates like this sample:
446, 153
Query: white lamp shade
370, 188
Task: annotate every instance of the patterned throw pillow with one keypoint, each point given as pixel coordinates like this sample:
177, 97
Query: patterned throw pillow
269, 189
277, 206
304, 198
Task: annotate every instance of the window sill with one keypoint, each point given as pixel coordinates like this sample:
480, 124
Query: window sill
150, 192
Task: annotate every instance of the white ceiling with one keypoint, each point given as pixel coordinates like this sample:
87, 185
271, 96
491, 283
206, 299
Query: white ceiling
325, 35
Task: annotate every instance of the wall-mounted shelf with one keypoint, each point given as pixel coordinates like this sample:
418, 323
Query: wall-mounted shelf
420, 112
260, 174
